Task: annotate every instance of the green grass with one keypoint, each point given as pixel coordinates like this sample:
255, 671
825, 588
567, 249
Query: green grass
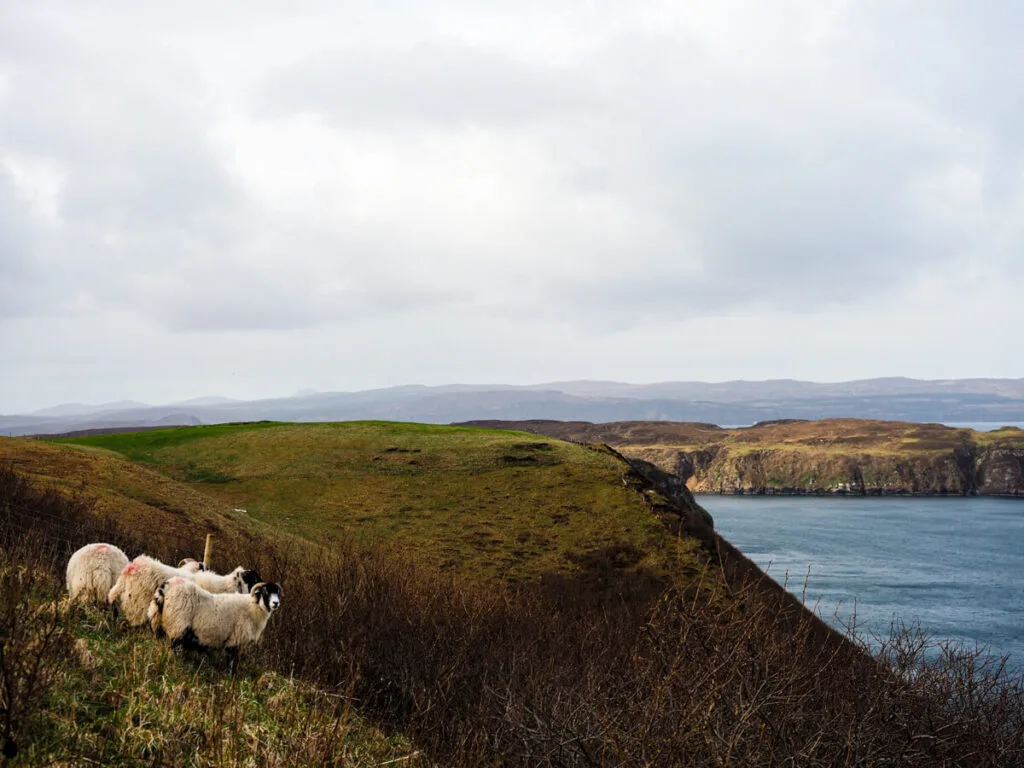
140, 446
486, 503
1007, 437
122, 696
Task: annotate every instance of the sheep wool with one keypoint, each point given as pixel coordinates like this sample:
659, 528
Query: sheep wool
196, 619
239, 581
139, 579
93, 570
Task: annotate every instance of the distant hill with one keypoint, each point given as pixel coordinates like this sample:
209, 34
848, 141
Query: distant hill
81, 409
796, 457
723, 403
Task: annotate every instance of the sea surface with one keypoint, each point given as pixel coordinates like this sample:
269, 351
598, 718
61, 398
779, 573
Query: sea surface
955, 565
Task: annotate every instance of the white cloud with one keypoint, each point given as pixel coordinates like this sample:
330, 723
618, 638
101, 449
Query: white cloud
524, 194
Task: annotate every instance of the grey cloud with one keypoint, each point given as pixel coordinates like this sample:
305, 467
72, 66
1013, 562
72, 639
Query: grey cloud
152, 220
628, 171
774, 192
244, 291
133, 156
244, 304
141, 185
17, 264
441, 81
801, 203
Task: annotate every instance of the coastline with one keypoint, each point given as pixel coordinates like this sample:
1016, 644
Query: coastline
873, 493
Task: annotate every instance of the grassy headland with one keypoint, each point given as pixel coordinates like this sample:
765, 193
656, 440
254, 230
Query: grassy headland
484, 503
814, 457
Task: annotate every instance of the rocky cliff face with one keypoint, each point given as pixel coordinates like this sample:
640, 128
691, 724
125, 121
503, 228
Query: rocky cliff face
962, 471
1001, 471
666, 495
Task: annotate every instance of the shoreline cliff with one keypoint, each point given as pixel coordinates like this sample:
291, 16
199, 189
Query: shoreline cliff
778, 472
831, 457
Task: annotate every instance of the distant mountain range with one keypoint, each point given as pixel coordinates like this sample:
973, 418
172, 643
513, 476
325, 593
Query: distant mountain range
725, 403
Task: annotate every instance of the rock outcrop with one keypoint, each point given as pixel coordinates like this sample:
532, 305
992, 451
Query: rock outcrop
960, 472
1001, 471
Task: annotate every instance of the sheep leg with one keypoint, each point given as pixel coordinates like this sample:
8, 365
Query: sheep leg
187, 640
232, 660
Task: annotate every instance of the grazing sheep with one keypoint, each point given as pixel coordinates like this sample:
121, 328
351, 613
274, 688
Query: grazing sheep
239, 580
199, 620
139, 578
93, 570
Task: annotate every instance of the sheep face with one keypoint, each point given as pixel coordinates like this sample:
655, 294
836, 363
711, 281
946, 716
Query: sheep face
245, 580
267, 596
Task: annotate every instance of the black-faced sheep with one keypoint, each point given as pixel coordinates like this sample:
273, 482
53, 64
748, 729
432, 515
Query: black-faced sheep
240, 580
196, 619
134, 588
92, 572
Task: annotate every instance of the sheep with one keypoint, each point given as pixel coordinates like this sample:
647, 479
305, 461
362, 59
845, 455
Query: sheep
240, 580
139, 578
93, 570
138, 582
195, 619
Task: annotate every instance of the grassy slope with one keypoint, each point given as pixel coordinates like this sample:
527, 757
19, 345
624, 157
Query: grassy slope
140, 499
493, 504
489, 504
498, 504
122, 696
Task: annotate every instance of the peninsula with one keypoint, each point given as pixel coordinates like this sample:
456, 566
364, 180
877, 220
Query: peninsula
826, 457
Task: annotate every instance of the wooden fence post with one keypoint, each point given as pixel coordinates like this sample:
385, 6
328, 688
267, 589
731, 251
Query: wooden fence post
208, 552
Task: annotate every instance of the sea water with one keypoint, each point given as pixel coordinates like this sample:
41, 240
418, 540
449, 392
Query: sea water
954, 565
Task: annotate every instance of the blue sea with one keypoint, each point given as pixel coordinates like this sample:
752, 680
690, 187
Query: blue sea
956, 565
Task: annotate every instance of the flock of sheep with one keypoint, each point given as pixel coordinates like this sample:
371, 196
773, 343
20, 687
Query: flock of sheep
195, 608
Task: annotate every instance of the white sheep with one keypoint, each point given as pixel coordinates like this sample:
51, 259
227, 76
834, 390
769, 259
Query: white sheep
93, 570
240, 580
135, 586
199, 620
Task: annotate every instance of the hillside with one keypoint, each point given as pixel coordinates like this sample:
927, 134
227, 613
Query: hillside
126, 495
405, 502
121, 698
481, 503
630, 634
814, 457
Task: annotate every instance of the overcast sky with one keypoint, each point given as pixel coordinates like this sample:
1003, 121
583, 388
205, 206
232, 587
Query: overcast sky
236, 199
